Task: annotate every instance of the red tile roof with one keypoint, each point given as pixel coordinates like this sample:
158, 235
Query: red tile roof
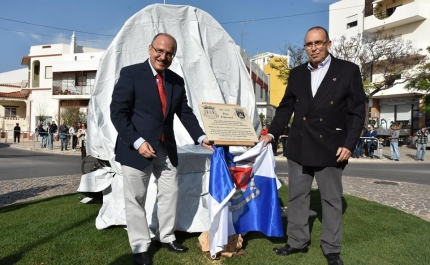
10, 85
13, 95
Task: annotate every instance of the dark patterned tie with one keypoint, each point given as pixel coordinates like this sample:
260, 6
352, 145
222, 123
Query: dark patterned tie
163, 99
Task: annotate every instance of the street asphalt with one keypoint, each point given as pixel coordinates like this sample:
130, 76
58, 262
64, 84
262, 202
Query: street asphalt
408, 197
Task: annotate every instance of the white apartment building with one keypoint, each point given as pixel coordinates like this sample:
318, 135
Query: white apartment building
62, 75
261, 84
57, 76
406, 19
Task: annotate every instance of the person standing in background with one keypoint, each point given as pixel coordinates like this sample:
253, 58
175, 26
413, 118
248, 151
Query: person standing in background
422, 141
82, 132
394, 142
50, 136
359, 148
64, 132
43, 136
264, 130
16, 133
284, 139
54, 131
371, 143
73, 137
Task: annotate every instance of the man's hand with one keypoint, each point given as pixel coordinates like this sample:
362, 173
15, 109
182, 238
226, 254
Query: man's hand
266, 138
207, 144
146, 150
343, 154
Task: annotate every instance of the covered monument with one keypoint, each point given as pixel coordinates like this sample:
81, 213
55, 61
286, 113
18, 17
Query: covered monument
213, 69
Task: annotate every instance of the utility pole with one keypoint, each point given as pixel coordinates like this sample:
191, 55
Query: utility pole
241, 40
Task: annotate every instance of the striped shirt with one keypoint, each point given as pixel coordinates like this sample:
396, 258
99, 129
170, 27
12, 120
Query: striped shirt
317, 75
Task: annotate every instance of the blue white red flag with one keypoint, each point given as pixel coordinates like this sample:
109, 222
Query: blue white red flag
244, 190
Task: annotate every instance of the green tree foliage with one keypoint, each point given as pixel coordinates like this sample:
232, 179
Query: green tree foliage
421, 83
384, 60
297, 56
72, 114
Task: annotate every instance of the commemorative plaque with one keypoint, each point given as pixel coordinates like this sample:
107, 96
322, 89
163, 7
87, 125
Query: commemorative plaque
227, 124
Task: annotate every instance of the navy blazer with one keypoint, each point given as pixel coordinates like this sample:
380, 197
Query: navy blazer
136, 112
333, 118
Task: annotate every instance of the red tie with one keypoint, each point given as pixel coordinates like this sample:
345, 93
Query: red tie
163, 100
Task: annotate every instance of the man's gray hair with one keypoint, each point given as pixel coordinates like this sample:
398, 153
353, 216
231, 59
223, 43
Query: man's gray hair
167, 35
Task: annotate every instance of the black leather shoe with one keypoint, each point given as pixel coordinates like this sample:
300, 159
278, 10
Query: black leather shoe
288, 250
175, 247
141, 259
334, 259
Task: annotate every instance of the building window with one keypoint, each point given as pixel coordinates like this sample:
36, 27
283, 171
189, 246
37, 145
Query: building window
261, 92
81, 79
10, 111
351, 24
48, 72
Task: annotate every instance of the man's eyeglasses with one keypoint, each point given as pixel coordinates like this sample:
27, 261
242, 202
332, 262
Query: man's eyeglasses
169, 55
318, 44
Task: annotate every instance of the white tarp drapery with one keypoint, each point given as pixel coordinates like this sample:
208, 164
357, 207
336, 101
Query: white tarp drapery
212, 67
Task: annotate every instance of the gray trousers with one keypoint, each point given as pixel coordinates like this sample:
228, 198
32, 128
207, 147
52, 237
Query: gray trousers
135, 191
329, 180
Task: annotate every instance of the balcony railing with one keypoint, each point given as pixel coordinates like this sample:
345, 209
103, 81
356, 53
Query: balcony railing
69, 88
396, 16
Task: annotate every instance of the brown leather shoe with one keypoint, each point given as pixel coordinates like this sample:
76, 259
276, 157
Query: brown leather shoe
288, 250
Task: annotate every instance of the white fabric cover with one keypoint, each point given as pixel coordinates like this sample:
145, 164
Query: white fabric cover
212, 67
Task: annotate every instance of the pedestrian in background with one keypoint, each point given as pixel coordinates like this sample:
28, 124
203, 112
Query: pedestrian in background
422, 140
54, 131
50, 136
43, 136
264, 130
74, 139
82, 132
371, 143
16, 133
394, 142
284, 140
63, 130
359, 148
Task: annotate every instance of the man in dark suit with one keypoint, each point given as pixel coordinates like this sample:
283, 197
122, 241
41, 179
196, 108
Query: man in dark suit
16, 133
327, 99
144, 101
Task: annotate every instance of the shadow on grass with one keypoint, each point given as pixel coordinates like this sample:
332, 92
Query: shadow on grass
315, 205
17, 256
11, 197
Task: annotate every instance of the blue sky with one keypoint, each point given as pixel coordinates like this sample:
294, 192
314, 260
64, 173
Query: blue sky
258, 25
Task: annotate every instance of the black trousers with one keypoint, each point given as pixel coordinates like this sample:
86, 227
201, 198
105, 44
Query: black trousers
16, 136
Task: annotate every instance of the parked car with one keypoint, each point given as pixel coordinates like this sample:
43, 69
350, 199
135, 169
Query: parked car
414, 139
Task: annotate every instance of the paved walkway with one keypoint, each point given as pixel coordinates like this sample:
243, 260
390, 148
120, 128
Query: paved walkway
408, 197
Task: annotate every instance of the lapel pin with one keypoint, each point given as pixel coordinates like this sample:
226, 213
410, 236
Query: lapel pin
334, 79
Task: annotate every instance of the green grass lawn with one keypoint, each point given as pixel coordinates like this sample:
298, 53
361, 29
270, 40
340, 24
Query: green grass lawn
61, 230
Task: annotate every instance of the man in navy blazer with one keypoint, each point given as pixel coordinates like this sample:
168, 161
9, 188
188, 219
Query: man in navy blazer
327, 100
146, 142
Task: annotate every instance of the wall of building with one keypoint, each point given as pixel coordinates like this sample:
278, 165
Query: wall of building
42, 104
396, 104
342, 13
277, 86
14, 77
